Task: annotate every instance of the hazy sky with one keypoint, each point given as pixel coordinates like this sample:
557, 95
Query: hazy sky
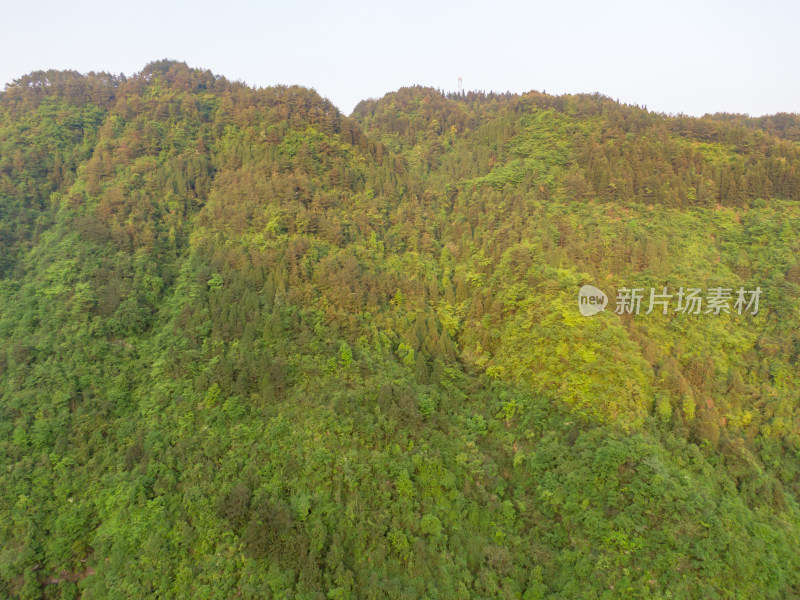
690, 57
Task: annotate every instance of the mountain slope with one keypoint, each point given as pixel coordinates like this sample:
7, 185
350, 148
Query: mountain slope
251, 347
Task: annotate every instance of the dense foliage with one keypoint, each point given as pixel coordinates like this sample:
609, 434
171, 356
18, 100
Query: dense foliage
253, 348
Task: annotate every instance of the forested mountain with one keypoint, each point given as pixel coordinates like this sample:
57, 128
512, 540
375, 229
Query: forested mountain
251, 347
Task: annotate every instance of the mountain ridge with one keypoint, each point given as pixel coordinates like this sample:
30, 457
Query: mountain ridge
252, 347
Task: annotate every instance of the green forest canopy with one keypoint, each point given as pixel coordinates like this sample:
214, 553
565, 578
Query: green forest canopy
251, 347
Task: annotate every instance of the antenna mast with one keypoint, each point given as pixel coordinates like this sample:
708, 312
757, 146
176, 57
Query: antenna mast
459, 86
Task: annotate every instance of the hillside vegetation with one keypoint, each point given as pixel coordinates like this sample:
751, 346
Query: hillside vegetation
251, 347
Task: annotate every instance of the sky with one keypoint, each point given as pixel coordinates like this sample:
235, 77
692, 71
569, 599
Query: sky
673, 57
